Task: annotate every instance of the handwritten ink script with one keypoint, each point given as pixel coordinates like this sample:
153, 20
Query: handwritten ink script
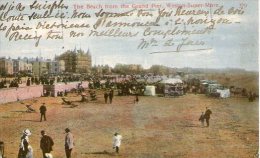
176, 27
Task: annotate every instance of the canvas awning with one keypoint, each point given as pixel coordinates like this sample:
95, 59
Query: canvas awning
171, 81
224, 93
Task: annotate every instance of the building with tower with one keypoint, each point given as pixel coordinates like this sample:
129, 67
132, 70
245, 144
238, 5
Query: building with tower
76, 61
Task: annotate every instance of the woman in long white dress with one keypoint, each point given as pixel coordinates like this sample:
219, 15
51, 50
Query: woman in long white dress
25, 150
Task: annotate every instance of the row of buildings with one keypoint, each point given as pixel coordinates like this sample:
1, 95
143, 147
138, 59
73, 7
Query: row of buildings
72, 61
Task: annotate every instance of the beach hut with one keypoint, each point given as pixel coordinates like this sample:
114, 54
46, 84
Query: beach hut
149, 91
173, 87
224, 93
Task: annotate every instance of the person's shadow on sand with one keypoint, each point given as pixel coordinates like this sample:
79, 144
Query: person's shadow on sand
102, 153
192, 126
31, 120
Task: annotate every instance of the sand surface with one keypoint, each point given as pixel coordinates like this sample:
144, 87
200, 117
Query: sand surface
156, 127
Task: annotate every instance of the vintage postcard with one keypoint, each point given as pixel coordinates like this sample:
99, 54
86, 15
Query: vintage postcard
129, 78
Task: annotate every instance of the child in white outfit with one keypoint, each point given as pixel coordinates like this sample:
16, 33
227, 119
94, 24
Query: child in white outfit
117, 142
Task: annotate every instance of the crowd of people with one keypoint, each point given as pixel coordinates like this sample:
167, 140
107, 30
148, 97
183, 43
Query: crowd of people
47, 143
124, 87
12, 83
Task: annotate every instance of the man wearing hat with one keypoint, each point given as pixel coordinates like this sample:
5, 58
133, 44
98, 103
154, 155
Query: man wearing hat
207, 115
43, 110
117, 141
105, 96
24, 149
111, 95
69, 143
46, 144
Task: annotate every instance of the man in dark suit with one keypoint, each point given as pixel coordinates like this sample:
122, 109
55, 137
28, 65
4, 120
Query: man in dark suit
43, 110
111, 95
105, 96
46, 144
207, 114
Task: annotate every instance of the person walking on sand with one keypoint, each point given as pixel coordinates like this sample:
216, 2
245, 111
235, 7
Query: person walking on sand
46, 144
136, 98
25, 150
201, 119
111, 95
69, 143
208, 112
117, 142
105, 96
43, 110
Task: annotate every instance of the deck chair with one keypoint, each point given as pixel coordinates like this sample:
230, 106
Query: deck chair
73, 105
29, 108
66, 101
84, 98
93, 96
69, 103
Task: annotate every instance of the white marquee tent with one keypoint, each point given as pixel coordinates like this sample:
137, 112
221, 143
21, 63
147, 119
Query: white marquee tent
171, 81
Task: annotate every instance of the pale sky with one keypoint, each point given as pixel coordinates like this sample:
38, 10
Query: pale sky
233, 46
